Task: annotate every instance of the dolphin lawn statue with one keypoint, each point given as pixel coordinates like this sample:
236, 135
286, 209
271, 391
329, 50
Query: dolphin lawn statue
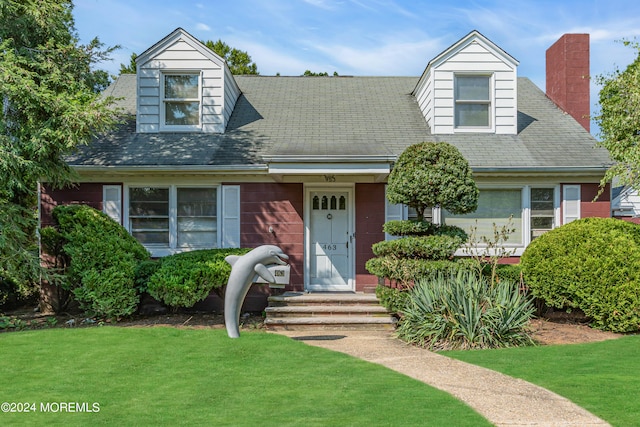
244, 269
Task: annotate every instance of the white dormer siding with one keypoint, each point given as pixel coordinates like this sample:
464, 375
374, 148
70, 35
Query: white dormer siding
474, 55
211, 102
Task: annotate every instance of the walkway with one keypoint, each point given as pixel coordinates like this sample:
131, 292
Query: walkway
503, 400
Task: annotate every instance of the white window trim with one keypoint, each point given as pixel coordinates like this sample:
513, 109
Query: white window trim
161, 251
179, 128
492, 102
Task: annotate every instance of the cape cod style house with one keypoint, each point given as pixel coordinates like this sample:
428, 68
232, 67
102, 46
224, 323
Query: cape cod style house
208, 159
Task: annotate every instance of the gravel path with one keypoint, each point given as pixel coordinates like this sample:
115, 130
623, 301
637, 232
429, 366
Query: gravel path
503, 400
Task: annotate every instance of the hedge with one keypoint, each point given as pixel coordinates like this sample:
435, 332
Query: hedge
183, 279
592, 264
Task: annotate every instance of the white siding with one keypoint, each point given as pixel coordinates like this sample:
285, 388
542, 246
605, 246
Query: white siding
435, 91
180, 52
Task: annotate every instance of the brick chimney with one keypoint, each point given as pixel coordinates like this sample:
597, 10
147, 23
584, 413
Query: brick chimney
568, 76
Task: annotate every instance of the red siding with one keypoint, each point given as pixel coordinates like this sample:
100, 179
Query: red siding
82, 194
369, 220
601, 207
280, 207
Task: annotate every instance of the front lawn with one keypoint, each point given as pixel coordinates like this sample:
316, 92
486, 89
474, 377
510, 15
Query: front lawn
602, 377
167, 376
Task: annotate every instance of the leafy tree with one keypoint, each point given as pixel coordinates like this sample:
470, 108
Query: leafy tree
433, 175
619, 121
131, 68
49, 105
239, 61
309, 73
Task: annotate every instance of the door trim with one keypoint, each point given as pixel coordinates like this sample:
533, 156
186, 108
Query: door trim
350, 190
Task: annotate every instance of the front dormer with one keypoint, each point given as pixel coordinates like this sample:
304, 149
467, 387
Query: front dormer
470, 88
183, 86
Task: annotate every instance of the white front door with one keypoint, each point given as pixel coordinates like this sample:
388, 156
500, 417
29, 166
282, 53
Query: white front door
330, 241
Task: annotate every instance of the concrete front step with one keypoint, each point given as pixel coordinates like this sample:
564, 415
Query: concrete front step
330, 323
299, 298
326, 310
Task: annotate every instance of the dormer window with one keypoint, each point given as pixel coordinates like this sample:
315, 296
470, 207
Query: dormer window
181, 101
472, 102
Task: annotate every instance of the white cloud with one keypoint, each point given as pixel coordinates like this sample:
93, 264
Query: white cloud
392, 58
202, 27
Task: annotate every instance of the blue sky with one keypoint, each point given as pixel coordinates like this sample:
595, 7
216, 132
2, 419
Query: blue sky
366, 37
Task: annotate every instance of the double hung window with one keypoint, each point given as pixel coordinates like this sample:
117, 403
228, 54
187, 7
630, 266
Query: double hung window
181, 101
542, 211
174, 217
472, 95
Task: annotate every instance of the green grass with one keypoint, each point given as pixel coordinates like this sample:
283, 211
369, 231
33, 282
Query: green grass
602, 377
167, 376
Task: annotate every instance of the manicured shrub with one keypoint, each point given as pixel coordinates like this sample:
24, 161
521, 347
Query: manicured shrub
408, 228
393, 299
406, 271
463, 311
143, 273
109, 292
422, 228
183, 279
592, 264
97, 260
433, 174
425, 247
510, 272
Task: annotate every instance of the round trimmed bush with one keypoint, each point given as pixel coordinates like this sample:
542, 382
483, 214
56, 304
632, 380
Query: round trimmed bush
183, 279
592, 264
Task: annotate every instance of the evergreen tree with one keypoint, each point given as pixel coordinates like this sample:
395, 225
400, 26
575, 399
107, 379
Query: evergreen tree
49, 104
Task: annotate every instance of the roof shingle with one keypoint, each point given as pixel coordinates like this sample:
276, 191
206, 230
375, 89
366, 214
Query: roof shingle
342, 116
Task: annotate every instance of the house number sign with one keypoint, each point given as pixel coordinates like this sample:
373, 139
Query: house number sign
329, 247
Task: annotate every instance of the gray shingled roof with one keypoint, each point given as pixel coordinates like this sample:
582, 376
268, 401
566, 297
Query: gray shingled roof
342, 116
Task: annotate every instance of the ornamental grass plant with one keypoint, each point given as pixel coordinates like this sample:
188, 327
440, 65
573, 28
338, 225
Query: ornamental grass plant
464, 311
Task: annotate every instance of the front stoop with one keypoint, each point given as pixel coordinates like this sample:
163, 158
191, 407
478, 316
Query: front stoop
294, 311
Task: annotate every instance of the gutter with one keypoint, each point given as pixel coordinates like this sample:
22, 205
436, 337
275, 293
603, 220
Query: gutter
548, 169
175, 168
330, 159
